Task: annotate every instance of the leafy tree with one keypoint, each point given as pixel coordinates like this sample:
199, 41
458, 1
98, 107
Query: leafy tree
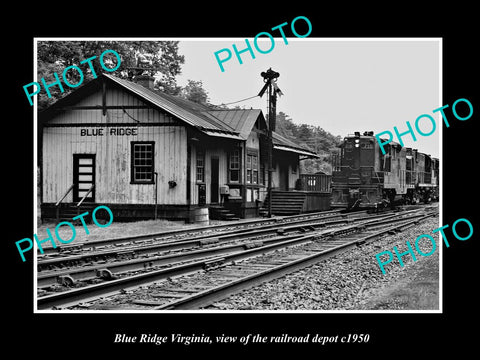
195, 92
285, 126
314, 138
161, 60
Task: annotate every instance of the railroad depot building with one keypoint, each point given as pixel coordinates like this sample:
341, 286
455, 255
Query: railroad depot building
144, 153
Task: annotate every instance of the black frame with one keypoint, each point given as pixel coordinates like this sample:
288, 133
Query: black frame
132, 163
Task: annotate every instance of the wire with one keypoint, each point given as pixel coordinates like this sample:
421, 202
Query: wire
131, 117
234, 102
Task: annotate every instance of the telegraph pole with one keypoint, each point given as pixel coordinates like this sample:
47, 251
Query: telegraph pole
270, 79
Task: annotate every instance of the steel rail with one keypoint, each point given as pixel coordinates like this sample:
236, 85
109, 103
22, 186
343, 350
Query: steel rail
209, 296
142, 250
194, 230
106, 271
87, 293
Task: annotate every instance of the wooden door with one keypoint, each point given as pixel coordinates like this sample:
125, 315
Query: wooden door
83, 176
283, 176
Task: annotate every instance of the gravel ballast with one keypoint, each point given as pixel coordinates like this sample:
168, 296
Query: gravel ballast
353, 280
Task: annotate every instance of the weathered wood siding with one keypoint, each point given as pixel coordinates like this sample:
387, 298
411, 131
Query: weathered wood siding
114, 97
113, 152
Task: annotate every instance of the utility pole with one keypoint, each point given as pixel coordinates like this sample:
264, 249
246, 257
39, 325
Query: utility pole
270, 79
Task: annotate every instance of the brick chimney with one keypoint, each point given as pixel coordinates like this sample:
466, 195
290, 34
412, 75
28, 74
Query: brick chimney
145, 80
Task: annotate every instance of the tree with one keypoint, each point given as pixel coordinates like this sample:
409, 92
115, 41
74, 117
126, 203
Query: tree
285, 126
169, 66
195, 92
314, 138
54, 56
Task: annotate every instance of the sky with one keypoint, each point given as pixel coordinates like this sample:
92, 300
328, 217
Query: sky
342, 85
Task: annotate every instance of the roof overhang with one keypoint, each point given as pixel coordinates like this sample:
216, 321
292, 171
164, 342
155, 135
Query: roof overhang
221, 134
297, 151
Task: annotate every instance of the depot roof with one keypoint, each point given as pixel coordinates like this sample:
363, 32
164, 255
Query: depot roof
234, 124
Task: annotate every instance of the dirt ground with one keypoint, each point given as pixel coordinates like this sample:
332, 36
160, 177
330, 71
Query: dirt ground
115, 230
417, 290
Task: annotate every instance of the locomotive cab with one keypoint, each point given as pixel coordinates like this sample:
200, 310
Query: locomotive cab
364, 177
357, 178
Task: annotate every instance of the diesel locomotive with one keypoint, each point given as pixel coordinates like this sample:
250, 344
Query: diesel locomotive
363, 177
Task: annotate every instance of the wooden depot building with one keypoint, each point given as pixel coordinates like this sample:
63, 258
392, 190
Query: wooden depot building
146, 154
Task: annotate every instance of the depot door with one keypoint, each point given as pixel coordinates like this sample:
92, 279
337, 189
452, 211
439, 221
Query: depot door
83, 176
283, 176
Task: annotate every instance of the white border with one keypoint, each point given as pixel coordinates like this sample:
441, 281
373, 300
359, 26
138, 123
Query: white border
35, 128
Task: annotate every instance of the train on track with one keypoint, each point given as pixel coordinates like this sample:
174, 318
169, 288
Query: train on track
363, 177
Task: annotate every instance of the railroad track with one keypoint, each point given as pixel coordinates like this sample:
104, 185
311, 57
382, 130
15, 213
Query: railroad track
107, 264
68, 268
226, 258
178, 234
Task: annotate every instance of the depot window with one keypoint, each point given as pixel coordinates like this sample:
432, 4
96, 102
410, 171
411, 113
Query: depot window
252, 169
142, 164
200, 166
234, 166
